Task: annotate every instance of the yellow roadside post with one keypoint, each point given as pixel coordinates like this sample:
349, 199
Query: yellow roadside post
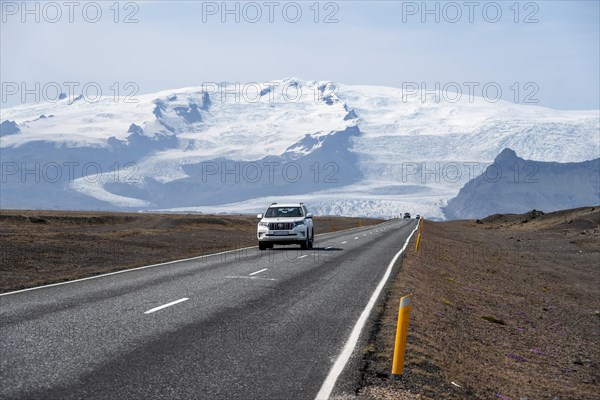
401, 333
419, 235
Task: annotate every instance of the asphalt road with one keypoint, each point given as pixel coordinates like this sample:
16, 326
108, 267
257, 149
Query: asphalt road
246, 324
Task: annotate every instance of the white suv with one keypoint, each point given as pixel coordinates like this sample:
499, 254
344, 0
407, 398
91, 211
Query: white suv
285, 224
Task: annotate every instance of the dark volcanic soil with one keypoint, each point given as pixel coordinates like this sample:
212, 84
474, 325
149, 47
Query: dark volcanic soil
506, 308
40, 247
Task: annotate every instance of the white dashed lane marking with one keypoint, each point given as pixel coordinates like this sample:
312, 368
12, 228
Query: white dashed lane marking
150, 311
250, 277
258, 272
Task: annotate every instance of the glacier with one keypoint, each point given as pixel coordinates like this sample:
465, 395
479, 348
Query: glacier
225, 147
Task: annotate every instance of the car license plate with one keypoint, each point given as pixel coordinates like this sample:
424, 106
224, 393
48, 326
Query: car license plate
280, 233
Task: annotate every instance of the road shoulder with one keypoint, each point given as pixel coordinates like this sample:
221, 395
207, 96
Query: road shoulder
504, 308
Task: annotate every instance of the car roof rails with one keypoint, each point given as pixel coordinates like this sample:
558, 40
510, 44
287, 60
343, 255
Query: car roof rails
273, 203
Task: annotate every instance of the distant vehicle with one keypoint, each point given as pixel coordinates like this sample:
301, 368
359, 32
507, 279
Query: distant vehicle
406, 215
418, 216
285, 224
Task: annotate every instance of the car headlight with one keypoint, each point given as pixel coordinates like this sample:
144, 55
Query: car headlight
298, 223
265, 224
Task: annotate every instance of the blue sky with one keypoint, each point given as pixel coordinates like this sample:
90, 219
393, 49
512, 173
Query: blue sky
374, 43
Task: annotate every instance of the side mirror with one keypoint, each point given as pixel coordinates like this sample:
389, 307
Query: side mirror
309, 215
259, 216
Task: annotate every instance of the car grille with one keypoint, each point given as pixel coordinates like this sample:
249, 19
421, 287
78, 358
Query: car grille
281, 226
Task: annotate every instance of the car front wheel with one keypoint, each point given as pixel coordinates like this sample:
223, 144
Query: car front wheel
306, 243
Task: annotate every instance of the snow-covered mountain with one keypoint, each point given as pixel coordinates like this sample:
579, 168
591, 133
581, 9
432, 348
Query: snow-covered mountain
343, 149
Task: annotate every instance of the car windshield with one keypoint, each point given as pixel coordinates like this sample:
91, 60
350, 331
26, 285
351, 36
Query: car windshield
274, 212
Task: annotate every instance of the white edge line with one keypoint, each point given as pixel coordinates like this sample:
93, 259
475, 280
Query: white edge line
344, 356
258, 272
127, 270
150, 311
344, 242
306, 255
154, 265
